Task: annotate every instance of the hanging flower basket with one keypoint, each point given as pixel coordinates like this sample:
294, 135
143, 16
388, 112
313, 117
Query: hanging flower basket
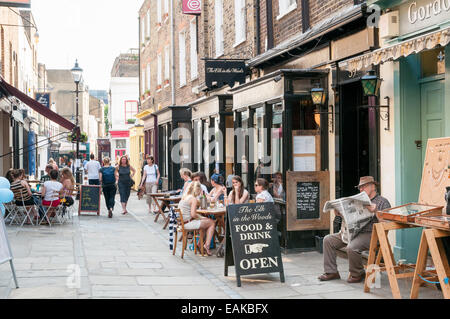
131, 121
72, 137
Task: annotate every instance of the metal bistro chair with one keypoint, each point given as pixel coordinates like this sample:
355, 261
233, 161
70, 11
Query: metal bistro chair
10, 216
184, 232
24, 213
52, 212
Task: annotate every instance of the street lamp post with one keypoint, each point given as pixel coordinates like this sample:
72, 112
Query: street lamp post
77, 73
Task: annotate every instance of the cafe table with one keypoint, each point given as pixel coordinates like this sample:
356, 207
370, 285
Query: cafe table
219, 214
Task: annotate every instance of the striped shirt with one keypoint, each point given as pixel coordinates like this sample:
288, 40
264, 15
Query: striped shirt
20, 191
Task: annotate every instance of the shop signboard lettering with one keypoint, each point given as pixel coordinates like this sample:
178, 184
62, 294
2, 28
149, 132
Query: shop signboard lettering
252, 243
224, 72
89, 199
420, 14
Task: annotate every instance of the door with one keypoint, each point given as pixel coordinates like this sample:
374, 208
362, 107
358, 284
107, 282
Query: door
432, 112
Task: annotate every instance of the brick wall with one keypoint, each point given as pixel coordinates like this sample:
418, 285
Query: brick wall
290, 25
161, 36
9, 42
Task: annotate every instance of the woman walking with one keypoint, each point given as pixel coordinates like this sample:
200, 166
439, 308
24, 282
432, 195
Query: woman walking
107, 179
124, 178
150, 179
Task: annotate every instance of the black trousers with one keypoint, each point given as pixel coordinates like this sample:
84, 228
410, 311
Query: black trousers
94, 182
109, 191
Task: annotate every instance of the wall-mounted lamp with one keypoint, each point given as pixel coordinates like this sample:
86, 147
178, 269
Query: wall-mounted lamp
371, 86
319, 96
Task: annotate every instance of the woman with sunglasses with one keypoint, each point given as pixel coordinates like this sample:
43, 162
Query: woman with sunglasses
238, 195
261, 186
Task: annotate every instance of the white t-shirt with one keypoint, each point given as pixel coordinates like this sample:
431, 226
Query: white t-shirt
52, 190
152, 173
93, 168
205, 190
265, 195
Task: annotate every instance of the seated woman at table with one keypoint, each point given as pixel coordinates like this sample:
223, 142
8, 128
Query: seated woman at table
219, 191
68, 183
188, 207
185, 174
277, 186
8, 175
261, 186
22, 192
238, 195
51, 190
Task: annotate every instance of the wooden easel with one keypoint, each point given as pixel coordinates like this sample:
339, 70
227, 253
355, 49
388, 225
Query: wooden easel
380, 247
431, 240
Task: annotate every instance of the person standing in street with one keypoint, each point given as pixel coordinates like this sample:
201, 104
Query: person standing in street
150, 178
107, 179
124, 177
360, 243
93, 168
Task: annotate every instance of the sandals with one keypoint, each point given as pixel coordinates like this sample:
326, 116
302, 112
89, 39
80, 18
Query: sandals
124, 213
208, 252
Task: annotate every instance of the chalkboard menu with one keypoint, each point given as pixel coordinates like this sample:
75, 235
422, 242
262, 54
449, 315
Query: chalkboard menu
89, 199
252, 243
308, 200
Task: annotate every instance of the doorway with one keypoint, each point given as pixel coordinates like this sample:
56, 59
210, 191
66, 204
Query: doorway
359, 143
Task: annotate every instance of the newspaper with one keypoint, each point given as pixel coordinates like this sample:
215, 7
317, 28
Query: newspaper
354, 215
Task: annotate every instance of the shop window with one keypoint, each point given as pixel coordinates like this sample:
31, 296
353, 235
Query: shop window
243, 147
433, 62
185, 147
198, 149
259, 143
277, 138
303, 117
120, 144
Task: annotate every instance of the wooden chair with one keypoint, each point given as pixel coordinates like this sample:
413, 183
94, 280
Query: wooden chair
180, 228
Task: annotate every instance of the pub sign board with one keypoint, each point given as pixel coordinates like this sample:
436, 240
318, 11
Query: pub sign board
252, 244
193, 7
89, 199
224, 72
43, 98
16, 3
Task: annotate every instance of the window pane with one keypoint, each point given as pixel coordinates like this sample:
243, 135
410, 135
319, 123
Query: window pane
277, 138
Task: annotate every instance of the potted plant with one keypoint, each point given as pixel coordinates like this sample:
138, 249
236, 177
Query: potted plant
131, 121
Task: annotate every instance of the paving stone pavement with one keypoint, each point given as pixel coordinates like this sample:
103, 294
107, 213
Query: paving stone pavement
129, 257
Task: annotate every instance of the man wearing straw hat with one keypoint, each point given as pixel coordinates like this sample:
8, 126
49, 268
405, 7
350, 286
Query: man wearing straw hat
360, 243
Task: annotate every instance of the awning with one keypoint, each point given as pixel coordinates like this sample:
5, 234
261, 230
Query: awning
35, 105
396, 51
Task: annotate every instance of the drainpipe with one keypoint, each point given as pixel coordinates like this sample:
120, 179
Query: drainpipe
172, 44
258, 27
140, 71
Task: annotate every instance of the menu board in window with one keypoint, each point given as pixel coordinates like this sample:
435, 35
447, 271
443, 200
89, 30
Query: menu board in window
306, 151
306, 195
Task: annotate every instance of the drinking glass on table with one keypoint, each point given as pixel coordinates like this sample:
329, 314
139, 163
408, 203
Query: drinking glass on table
212, 204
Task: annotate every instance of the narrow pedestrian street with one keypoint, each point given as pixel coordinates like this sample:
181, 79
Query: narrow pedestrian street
129, 257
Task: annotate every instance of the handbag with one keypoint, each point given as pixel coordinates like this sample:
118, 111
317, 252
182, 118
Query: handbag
160, 182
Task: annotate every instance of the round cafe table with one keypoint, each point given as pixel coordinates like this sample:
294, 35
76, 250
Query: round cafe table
167, 201
219, 214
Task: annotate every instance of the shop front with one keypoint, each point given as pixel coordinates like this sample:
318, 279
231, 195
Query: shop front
415, 66
137, 155
120, 144
212, 151
280, 130
104, 149
150, 132
174, 144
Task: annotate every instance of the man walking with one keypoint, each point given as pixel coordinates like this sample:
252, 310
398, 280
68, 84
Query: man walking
93, 168
360, 243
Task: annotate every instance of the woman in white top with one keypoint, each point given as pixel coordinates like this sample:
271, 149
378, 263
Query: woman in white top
261, 186
150, 178
239, 195
51, 190
188, 206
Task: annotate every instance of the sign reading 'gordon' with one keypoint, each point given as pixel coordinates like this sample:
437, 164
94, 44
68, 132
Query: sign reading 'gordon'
253, 247
419, 14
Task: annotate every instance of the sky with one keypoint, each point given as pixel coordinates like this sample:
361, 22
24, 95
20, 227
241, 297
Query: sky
93, 31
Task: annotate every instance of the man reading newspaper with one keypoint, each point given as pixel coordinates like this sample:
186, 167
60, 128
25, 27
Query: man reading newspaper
359, 215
